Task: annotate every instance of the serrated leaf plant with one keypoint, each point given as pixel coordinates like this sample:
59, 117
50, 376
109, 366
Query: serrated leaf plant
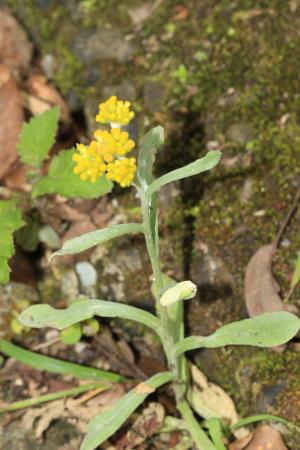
35, 142
106, 156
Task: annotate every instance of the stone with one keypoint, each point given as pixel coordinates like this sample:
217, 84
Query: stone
70, 285
48, 236
102, 44
241, 133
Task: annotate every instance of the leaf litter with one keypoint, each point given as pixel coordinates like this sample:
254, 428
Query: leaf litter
262, 292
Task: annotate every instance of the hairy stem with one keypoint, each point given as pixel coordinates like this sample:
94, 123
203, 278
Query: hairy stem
169, 335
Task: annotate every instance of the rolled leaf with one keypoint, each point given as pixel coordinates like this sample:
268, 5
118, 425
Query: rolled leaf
200, 165
267, 330
104, 425
40, 316
88, 240
184, 290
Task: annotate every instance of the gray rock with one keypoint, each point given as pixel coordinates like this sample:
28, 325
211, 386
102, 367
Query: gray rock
48, 64
102, 44
87, 274
241, 133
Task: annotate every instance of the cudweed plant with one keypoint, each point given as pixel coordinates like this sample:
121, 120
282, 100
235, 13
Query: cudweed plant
107, 156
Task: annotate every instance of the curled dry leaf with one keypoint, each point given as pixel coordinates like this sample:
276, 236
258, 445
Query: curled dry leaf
15, 48
45, 96
11, 120
264, 437
144, 427
261, 288
210, 400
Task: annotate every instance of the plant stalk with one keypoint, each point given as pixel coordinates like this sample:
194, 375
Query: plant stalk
169, 336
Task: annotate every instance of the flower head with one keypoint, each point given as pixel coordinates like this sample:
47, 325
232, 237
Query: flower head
113, 143
105, 155
115, 111
89, 162
122, 171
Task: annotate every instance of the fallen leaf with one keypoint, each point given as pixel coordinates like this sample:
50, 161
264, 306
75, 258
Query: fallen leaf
15, 47
45, 96
143, 428
210, 400
241, 444
11, 120
264, 437
181, 13
261, 288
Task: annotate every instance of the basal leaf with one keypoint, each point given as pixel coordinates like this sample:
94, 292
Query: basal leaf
10, 221
267, 330
63, 181
37, 137
54, 365
88, 240
200, 165
104, 425
39, 316
152, 141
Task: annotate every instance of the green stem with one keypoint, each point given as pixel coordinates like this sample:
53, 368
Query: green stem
29, 402
199, 436
169, 336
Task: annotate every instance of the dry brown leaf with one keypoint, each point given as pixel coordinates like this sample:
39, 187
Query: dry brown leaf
265, 437
144, 388
73, 410
240, 444
15, 48
181, 13
210, 400
11, 120
261, 288
45, 96
144, 427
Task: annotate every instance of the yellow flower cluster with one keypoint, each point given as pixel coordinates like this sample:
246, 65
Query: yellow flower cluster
115, 111
106, 153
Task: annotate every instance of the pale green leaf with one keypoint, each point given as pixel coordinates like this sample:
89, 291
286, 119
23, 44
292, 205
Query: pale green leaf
296, 274
267, 330
104, 425
10, 221
152, 141
39, 316
209, 161
63, 181
54, 365
184, 290
88, 240
37, 137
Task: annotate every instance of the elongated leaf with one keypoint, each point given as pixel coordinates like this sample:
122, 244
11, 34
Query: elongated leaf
88, 240
37, 137
267, 330
104, 425
261, 418
29, 402
54, 365
152, 141
39, 316
200, 165
10, 221
63, 181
